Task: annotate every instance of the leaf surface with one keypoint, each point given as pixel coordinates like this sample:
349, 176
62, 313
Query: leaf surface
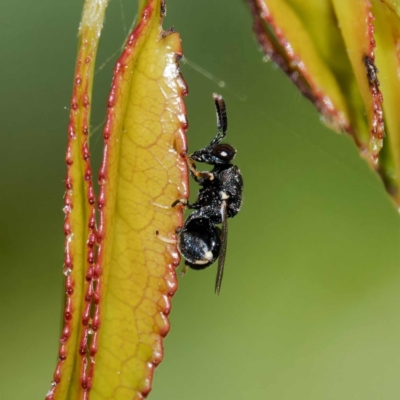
79, 209
142, 174
120, 275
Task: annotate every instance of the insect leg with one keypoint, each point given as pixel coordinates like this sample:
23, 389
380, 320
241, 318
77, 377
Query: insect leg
184, 269
185, 203
198, 176
165, 239
181, 202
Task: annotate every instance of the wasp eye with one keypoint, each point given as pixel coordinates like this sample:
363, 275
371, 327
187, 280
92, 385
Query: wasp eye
224, 152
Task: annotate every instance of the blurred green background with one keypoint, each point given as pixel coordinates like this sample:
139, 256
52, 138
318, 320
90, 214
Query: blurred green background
309, 307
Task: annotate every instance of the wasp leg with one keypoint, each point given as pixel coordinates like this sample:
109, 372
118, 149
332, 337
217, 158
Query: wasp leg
198, 176
165, 239
184, 270
185, 203
181, 202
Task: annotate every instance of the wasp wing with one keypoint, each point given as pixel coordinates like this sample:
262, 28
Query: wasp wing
222, 252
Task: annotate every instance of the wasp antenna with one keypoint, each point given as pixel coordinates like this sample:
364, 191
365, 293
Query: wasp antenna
222, 119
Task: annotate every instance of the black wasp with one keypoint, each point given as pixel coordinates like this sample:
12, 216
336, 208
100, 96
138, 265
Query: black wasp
200, 241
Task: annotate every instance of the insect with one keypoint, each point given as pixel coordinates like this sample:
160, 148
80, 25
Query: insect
200, 241
372, 71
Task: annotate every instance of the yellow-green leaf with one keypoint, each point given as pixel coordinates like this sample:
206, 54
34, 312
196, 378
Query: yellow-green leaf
387, 34
79, 199
122, 273
143, 172
359, 40
393, 5
344, 57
